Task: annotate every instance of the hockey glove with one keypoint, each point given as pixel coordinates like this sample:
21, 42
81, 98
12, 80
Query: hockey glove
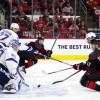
34, 61
49, 53
80, 66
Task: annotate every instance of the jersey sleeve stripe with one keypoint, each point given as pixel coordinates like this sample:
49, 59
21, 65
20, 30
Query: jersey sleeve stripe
11, 59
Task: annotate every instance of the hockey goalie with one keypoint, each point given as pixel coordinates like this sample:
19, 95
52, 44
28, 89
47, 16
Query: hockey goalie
9, 60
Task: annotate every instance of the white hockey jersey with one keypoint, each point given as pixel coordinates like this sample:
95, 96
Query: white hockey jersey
7, 35
9, 59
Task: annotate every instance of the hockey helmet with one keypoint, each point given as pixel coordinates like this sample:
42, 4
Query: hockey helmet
40, 38
93, 38
14, 25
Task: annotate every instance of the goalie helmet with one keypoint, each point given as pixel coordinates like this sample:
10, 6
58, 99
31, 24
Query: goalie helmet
93, 38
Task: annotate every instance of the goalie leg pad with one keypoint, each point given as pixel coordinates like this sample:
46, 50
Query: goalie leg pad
4, 75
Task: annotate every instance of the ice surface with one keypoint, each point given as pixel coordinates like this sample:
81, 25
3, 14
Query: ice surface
68, 90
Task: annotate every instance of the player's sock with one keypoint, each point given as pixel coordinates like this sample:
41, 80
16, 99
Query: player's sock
93, 85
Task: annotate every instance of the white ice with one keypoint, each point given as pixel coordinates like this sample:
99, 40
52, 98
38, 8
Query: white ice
67, 90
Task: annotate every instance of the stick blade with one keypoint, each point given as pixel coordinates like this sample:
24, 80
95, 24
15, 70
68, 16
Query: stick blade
56, 82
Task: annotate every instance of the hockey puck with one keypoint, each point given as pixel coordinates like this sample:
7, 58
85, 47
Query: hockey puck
38, 85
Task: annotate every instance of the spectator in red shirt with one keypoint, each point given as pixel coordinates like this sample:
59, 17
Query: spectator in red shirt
73, 30
40, 23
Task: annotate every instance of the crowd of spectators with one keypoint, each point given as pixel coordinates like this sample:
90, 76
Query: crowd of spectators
52, 21
93, 6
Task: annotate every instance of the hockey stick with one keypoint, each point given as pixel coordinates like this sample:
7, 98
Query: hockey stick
57, 71
53, 58
23, 80
60, 61
55, 42
66, 78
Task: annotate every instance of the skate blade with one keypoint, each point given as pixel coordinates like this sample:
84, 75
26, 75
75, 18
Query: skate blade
9, 92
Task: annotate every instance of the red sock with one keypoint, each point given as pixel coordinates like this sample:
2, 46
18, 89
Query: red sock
91, 85
29, 64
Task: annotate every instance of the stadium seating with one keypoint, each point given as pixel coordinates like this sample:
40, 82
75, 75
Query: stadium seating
61, 12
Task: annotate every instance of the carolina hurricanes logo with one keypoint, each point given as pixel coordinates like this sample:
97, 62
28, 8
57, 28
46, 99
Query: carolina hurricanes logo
88, 63
98, 57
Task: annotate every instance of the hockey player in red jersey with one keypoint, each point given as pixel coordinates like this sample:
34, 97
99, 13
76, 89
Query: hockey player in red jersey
92, 65
29, 58
38, 46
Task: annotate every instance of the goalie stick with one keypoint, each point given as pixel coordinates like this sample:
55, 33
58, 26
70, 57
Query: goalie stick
22, 78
